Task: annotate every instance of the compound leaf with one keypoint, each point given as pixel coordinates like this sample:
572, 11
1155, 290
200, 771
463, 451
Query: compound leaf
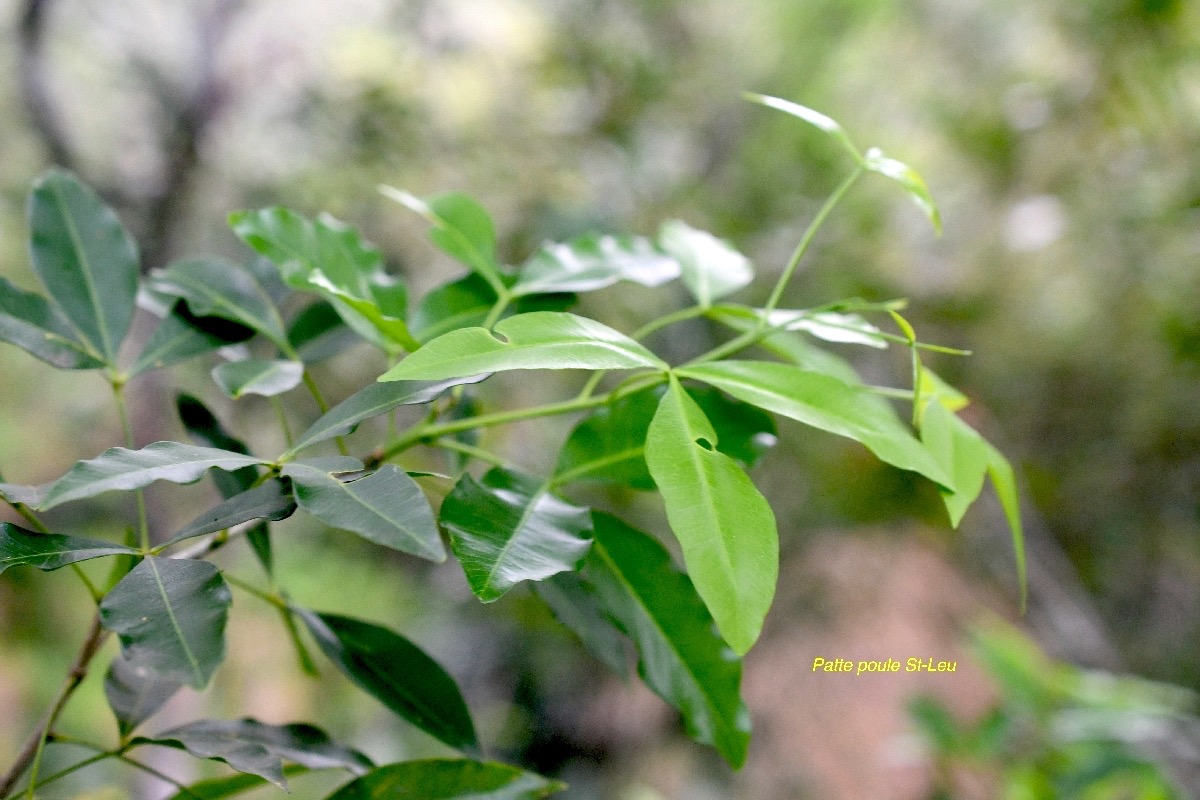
537, 340
725, 527
170, 616
397, 673
508, 528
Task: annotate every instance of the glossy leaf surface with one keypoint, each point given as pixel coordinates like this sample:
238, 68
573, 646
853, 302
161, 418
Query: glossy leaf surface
48, 551
680, 657
259, 749
593, 262
710, 267
792, 347
397, 673
28, 321
538, 340
231, 785
170, 616
725, 527
135, 691
809, 115
216, 288
265, 377
121, 469
85, 259
909, 180
376, 399
330, 258
831, 326
823, 402
507, 528
448, 779
386, 507
271, 501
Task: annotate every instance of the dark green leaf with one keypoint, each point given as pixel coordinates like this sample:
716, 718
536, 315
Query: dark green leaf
710, 267
221, 788
398, 674
448, 779
680, 656
121, 469
40, 329
593, 262
170, 616
376, 399
744, 433
575, 605
331, 258
205, 429
261, 376
508, 528
216, 288
608, 444
538, 340
176, 339
461, 228
47, 551
259, 749
318, 333
270, 501
135, 691
908, 178
823, 402
724, 525
386, 507
460, 303
85, 259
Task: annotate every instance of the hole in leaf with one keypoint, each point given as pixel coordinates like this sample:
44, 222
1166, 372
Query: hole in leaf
706, 444
500, 337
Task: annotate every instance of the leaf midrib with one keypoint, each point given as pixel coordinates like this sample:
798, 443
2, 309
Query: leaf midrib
109, 357
187, 651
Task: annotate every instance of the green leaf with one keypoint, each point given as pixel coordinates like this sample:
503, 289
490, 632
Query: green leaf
176, 339
47, 551
711, 268
271, 500
508, 528
576, 606
461, 228
17, 494
962, 454
831, 326
593, 262
215, 288
85, 259
1001, 473
386, 507
608, 444
331, 258
397, 673
221, 788
40, 329
823, 402
170, 616
318, 332
812, 117
448, 779
724, 525
465, 302
261, 376
121, 469
680, 656
135, 691
793, 347
259, 749
376, 399
908, 178
538, 340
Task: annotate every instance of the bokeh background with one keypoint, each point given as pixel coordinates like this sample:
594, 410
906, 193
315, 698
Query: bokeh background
1061, 140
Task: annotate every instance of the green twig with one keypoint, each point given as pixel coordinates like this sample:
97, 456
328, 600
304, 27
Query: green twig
447, 443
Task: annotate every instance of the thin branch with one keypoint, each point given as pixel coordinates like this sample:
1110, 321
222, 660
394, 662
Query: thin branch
31, 73
32, 750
